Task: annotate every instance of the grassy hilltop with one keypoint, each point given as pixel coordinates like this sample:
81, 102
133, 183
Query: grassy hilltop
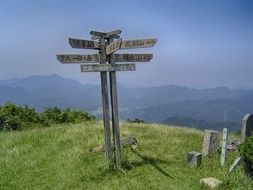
58, 157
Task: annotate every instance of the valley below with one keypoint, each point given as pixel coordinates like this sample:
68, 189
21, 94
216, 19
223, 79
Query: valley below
213, 108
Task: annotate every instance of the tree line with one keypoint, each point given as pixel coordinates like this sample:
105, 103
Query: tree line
14, 117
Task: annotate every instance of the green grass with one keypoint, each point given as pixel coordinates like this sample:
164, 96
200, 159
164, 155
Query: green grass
59, 158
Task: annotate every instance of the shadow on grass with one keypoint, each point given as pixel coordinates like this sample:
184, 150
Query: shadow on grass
107, 173
146, 160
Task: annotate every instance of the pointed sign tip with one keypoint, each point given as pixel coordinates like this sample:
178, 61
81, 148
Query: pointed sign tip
155, 41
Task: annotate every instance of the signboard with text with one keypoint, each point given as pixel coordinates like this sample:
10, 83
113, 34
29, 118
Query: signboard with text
105, 61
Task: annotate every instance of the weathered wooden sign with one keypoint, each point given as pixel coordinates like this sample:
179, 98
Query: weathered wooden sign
78, 58
112, 33
106, 57
105, 34
107, 67
83, 44
94, 58
96, 33
98, 37
132, 57
142, 43
114, 46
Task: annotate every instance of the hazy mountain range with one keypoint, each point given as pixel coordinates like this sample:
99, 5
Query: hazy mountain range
202, 108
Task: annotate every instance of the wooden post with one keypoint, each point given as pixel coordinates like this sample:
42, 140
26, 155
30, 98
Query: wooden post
105, 102
115, 114
224, 147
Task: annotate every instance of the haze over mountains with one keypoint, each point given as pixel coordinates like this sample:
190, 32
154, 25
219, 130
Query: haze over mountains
205, 108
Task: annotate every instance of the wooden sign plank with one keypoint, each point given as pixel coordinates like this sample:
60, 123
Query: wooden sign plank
141, 43
95, 37
83, 44
105, 34
107, 67
96, 33
78, 58
132, 57
98, 37
114, 46
115, 32
115, 36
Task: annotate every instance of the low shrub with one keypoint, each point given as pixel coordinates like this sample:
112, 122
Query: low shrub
246, 151
55, 115
13, 117
136, 120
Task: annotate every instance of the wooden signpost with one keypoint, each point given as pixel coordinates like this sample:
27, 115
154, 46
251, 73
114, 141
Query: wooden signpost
104, 42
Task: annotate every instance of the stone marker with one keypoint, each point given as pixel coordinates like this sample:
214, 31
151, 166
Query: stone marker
210, 143
211, 182
194, 159
247, 126
224, 147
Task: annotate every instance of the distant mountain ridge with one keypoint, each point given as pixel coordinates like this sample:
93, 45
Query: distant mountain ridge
53, 90
152, 104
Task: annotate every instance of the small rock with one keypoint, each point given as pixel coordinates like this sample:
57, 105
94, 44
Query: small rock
211, 182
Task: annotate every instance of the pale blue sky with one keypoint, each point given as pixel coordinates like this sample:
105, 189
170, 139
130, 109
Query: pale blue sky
201, 43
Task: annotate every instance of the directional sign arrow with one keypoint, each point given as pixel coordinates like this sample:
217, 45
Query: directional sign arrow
132, 57
78, 58
105, 34
115, 32
115, 36
141, 43
95, 37
83, 44
96, 33
114, 46
107, 67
